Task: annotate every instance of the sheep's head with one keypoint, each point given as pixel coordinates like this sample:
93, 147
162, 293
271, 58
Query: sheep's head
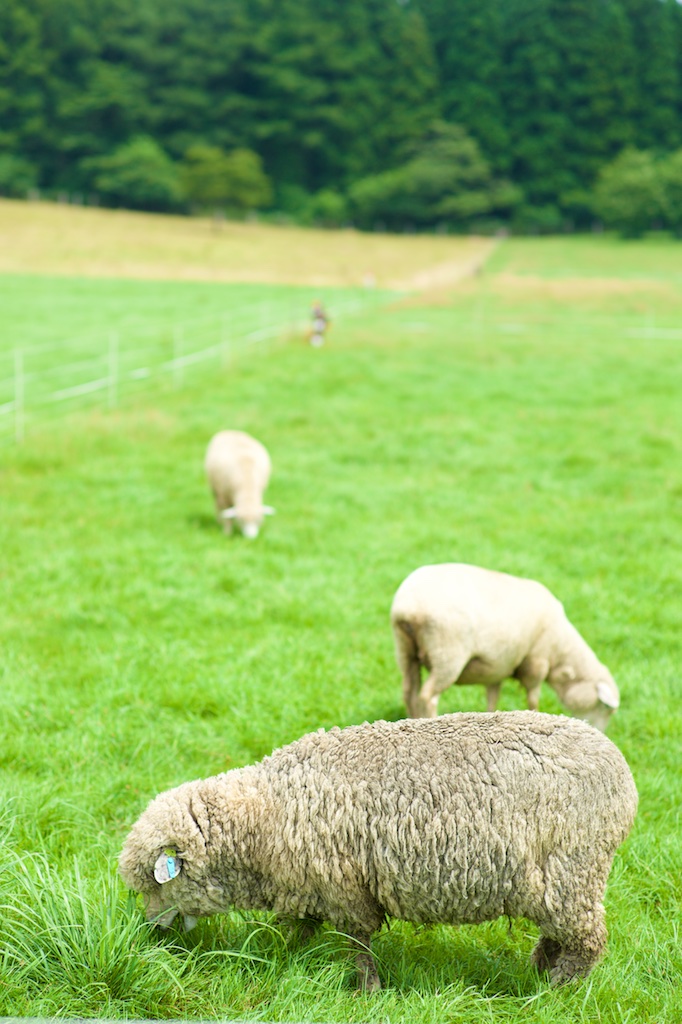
593, 700
248, 519
165, 858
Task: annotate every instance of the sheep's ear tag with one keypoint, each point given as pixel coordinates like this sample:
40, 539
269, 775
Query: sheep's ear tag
167, 866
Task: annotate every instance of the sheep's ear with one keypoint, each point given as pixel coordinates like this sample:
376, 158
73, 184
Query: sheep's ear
167, 867
268, 510
229, 513
608, 696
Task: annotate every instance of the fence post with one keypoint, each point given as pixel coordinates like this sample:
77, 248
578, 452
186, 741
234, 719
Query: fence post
19, 396
113, 369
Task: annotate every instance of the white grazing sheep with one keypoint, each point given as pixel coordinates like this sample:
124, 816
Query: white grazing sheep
455, 820
238, 470
465, 624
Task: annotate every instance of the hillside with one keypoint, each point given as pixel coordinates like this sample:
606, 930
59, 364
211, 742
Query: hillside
51, 238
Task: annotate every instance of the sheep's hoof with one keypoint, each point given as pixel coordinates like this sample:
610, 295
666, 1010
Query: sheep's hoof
569, 968
368, 985
368, 978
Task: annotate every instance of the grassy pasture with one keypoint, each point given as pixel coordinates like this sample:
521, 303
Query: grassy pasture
510, 423
51, 238
65, 328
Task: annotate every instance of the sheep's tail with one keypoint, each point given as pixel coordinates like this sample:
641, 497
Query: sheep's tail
407, 656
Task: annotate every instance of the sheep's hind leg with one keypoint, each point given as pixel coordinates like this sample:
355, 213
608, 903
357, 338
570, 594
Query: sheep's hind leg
572, 954
426, 702
576, 962
446, 663
407, 655
411, 684
545, 954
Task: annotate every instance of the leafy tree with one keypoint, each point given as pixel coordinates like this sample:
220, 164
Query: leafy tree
628, 195
137, 174
17, 175
25, 79
250, 186
531, 92
468, 42
447, 180
656, 73
569, 97
339, 89
535, 219
597, 94
216, 180
327, 208
332, 94
670, 177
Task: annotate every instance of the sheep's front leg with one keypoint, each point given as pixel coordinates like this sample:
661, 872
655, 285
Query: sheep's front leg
533, 696
223, 502
425, 704
368, 976
531, 673
493, 695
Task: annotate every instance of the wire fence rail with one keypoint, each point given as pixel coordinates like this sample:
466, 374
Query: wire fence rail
45, 381
41, 382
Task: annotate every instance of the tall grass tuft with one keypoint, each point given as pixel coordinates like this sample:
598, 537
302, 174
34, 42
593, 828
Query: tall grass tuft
85, 935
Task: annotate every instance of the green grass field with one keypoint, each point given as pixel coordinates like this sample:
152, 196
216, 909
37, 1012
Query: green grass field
68, 331
529, 421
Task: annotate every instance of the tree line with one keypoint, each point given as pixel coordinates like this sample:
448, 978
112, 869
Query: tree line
404, 114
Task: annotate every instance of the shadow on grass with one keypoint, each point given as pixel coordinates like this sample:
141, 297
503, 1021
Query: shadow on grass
203, 521
422, 959
493, 972
389, 713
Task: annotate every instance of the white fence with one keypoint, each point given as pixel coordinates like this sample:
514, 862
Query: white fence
41, 382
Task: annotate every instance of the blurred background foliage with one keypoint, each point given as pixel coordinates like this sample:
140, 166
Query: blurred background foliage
538, 115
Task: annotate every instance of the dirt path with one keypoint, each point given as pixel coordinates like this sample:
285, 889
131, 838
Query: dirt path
454, 271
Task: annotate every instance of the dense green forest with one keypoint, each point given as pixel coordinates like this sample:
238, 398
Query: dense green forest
397, 113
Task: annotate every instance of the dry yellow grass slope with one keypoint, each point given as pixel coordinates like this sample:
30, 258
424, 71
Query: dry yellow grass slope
52, 238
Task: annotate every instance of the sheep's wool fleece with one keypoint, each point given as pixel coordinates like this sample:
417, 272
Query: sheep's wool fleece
457, 819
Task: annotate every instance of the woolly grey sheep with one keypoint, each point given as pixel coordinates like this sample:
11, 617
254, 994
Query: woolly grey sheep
459, 819
238, 471
465, 624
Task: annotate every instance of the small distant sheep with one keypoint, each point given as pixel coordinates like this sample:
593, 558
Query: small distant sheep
459, 819
465, 624
238, 471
